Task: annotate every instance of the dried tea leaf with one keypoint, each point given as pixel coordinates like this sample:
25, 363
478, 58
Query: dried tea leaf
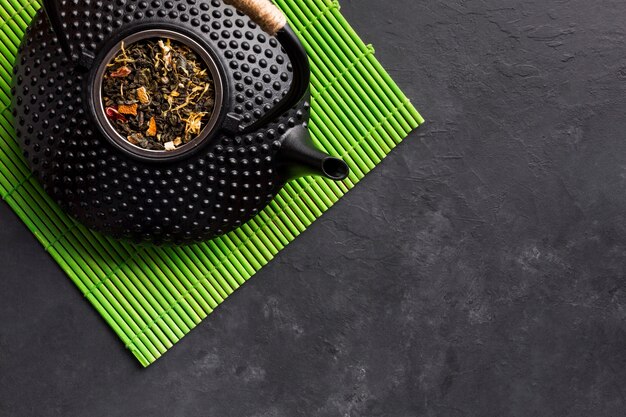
181, 63
164, 96
135, 138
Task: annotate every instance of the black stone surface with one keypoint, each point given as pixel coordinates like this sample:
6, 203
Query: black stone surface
479, 271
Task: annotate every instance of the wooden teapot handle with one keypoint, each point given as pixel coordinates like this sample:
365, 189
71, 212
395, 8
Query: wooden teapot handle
263, 12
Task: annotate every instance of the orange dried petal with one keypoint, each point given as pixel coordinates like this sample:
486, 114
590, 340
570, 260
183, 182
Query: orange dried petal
142, 95
134, 138
152, 127
128, 109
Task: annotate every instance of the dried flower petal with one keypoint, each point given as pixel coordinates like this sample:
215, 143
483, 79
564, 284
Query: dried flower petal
113, 114
165, 98
164, 48
130, 109
167, 53
152, 129
194, 123
142, 95
121, 72
169, 146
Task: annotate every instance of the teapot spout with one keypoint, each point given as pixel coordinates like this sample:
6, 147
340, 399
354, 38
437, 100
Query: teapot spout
299, 156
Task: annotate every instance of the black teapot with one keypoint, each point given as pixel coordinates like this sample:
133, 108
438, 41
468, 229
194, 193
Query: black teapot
255, 141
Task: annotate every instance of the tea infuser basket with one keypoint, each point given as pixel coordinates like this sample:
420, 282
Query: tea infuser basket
255, 141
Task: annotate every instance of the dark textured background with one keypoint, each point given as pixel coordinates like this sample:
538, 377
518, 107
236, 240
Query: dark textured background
479, 271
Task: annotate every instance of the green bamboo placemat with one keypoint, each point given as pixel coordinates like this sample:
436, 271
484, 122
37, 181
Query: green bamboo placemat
153, 296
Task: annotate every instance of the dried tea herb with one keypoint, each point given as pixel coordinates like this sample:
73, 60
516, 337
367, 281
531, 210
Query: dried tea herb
158, 94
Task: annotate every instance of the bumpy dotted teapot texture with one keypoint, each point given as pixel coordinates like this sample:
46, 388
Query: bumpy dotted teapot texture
207, 194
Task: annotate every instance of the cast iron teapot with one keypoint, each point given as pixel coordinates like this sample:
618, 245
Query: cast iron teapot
255, 141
